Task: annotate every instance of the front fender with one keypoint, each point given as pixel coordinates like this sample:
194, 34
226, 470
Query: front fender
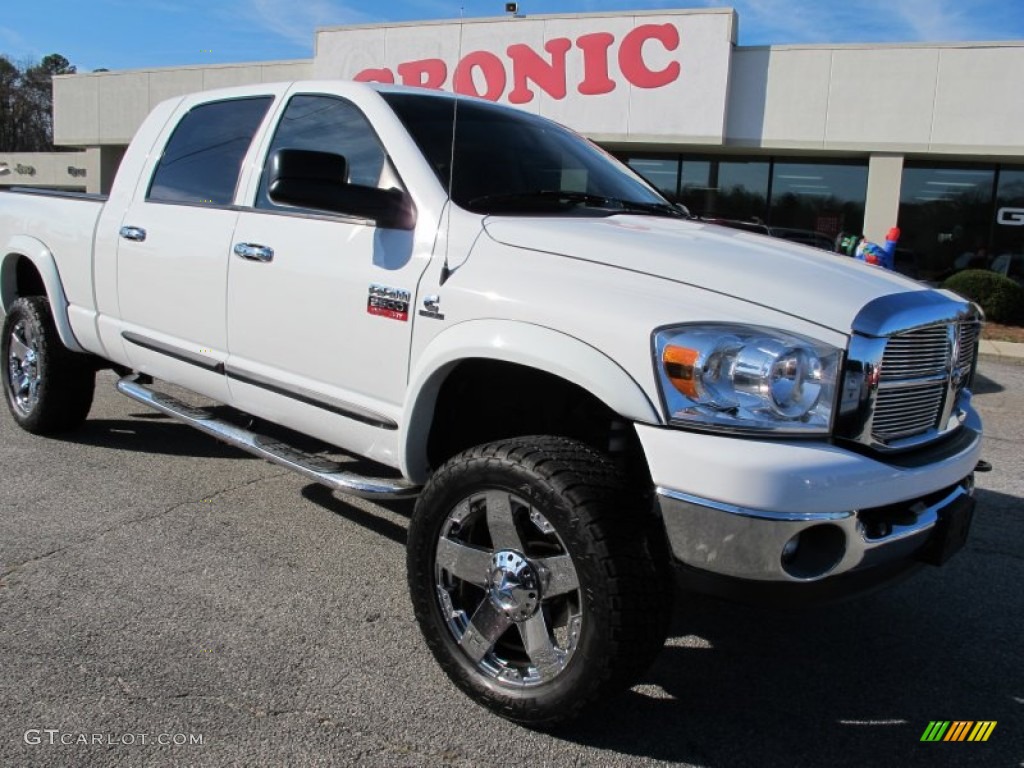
520, 343
40, 256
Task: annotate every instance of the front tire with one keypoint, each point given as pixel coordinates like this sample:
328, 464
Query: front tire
532, 579
48, 387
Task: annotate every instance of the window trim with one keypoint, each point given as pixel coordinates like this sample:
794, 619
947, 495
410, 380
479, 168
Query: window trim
264, 158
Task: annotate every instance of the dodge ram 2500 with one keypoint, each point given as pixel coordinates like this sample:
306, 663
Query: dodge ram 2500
583, 386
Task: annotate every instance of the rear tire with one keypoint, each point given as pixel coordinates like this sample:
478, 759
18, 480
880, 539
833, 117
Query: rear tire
532, 579
48, 387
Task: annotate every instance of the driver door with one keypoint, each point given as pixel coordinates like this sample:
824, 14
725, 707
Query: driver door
309, 345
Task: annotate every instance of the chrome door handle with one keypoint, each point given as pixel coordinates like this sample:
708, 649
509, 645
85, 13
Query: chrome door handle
254, 252
137, 234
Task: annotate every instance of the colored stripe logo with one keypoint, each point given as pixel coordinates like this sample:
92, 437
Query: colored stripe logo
958, 730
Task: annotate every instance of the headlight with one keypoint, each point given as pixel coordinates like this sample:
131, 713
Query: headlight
743, 377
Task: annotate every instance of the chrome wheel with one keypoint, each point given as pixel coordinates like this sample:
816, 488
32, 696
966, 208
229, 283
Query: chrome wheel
508, 589
23, 369
532, 577
48, 388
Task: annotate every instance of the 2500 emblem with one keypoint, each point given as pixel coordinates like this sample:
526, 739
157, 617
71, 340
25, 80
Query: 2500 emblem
388, 302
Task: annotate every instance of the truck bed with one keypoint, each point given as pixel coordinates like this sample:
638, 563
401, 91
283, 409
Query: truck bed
61, 221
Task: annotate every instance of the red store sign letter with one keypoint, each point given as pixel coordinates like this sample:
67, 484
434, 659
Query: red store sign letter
493, 71
595, 63
631, 55
425, 73
528, 65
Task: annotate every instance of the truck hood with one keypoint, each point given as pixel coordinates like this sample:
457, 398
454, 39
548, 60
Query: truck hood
821, 287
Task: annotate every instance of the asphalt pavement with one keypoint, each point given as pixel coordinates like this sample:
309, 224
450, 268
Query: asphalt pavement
170, 601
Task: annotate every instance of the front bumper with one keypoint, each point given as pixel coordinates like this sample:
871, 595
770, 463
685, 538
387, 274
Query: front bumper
772, 546
779, 512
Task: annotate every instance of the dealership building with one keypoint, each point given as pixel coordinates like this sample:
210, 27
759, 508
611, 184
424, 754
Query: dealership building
822, 138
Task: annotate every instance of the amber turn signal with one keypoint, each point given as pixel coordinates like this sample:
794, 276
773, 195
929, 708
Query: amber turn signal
679, 363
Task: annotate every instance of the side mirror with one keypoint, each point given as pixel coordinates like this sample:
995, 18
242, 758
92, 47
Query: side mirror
316, 180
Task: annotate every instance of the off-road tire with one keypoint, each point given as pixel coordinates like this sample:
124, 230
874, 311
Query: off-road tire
626, 598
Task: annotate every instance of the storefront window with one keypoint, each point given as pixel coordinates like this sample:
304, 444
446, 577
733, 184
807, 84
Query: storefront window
945, 217
822, 198
726, 189
661, 172
1008, 233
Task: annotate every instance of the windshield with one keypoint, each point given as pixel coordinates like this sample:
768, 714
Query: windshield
508, 161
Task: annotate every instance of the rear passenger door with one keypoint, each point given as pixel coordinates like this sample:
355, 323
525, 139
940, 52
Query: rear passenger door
172, 258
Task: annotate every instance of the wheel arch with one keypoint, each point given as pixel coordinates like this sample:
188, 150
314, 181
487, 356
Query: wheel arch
526, 349
28, 266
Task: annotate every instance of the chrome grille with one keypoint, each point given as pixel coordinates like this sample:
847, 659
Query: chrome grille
969, 334
907, 411
915, 354
909, 363
915, 379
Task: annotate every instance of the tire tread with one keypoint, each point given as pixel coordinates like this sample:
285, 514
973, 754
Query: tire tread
638, 597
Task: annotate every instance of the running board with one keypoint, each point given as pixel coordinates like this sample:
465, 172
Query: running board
317, 468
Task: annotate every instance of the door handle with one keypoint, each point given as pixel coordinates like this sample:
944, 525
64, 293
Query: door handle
253, 252
137, 234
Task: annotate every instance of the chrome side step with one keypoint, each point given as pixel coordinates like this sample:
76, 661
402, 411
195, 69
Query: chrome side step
317, 468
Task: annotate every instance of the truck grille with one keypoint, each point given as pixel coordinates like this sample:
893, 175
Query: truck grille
917, 376
909, 363
906, 411
916, 354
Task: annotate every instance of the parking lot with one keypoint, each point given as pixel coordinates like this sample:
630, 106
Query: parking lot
218, 610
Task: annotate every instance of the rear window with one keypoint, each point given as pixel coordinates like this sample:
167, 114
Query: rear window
201, 161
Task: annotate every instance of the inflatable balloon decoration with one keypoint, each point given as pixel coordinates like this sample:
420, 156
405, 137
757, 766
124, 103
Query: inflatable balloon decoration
870, 253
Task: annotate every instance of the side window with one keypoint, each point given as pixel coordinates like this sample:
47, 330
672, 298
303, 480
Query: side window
202, 159
328, 124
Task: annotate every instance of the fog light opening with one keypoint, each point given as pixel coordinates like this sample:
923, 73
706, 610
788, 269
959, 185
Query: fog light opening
814, 551
790, 548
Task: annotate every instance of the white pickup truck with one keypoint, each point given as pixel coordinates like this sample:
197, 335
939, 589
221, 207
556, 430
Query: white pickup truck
582, 385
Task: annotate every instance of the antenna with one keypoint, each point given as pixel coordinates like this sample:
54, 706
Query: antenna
446, 271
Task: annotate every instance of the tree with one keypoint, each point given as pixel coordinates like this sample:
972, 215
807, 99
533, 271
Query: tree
26, 103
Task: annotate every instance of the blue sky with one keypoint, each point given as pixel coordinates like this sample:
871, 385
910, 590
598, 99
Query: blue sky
126, 34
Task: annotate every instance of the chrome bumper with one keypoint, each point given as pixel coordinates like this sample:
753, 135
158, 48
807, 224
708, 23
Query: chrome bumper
784, 547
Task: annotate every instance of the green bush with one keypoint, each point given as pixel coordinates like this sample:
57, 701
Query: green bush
1000, 297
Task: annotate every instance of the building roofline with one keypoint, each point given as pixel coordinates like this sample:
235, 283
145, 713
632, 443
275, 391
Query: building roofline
531, 17
228, 65
882, 46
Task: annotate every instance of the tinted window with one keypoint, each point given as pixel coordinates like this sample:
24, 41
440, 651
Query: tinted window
201, 161
660, 172
1008, 235
730, 189
824, 198
946, 215
501, 153
328, 124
